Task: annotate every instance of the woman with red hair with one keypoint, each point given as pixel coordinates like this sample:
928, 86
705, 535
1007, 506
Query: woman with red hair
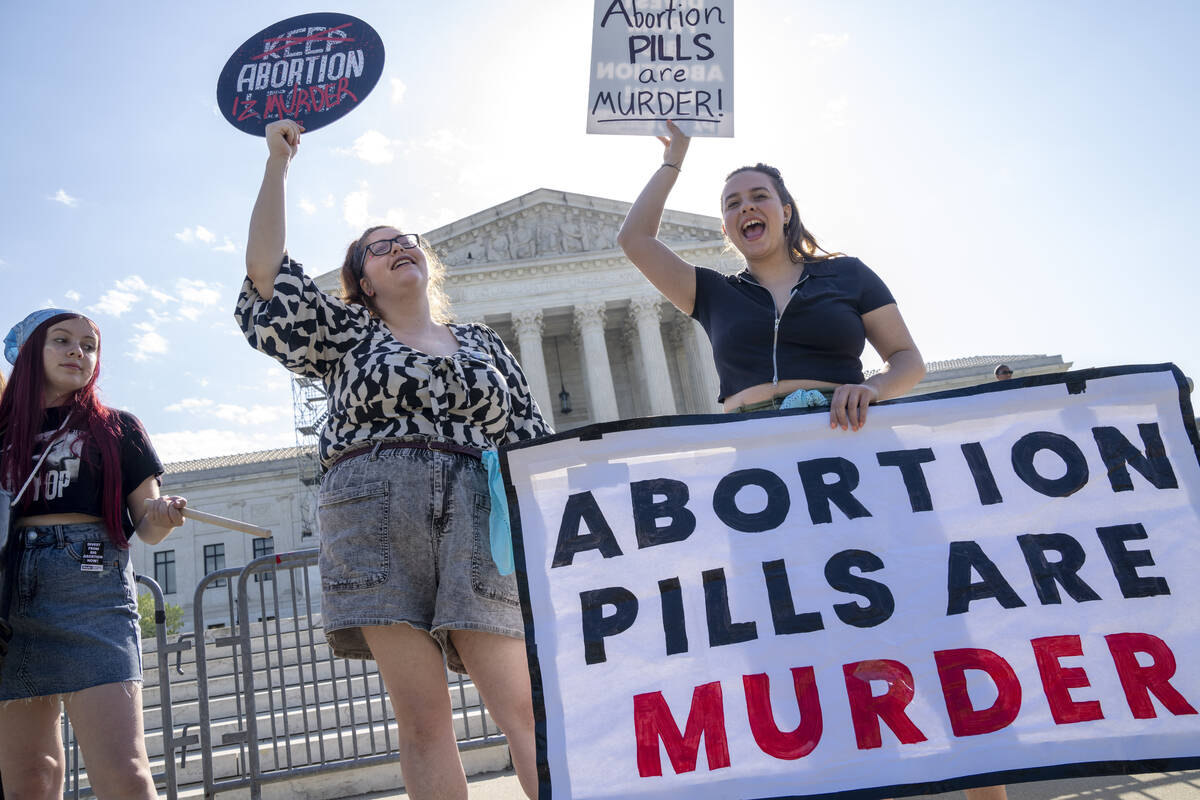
86, 478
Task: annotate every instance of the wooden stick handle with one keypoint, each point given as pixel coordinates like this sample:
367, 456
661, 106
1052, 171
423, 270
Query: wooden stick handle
223, 522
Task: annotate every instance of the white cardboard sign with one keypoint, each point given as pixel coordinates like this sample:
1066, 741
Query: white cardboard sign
659, 60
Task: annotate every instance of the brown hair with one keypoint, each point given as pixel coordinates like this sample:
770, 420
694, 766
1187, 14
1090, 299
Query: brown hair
351, 274
802, 245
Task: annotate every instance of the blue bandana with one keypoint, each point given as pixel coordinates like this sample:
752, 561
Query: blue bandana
20, 332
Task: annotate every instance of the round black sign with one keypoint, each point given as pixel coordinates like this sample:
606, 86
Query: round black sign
314, 68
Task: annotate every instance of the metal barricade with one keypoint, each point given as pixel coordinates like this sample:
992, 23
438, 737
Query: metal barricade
216, 688
294, 709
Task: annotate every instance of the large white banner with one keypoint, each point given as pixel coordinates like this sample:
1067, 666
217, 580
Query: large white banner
659, 60
993, 585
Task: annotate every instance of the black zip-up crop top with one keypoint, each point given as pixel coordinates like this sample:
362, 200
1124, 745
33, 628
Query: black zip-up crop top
819, 335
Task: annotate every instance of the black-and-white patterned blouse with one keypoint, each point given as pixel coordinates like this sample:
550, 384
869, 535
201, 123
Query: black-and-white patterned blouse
380, 387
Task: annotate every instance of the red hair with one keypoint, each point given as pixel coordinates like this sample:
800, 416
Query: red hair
23, 408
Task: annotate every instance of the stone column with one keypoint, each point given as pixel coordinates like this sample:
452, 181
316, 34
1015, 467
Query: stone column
701, 356
631, 355
589, 320
678, 333
645, 312
527, 325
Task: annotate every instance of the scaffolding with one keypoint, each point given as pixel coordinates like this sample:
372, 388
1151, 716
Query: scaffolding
310, 407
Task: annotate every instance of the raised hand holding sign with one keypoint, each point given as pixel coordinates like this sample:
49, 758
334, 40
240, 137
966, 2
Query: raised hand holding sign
283, 138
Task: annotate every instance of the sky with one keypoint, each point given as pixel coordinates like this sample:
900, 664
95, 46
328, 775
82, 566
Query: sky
1022, 174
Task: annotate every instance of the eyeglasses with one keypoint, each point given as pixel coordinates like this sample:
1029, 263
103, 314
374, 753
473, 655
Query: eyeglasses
1005, 372
384, 246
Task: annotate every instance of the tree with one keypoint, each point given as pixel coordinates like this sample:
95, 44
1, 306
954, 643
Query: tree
174, 614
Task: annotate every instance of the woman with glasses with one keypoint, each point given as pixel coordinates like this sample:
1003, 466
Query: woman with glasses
789, 329
87, 480
407, 576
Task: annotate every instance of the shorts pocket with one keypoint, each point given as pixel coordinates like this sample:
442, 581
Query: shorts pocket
355, 550
112, 556
486, 580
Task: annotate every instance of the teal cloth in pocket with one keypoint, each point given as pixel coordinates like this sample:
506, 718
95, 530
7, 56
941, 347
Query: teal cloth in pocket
805, 398
499, 531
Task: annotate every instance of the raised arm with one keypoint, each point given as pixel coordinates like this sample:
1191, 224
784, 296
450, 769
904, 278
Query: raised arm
669, 273
268, 221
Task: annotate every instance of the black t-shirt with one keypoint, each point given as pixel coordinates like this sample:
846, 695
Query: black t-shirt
69, 481
821, 334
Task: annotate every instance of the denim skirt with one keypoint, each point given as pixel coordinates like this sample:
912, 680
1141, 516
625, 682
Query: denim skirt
74, 614
404, 539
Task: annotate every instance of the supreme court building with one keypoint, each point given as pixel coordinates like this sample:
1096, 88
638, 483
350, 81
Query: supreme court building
545, 272
596, 340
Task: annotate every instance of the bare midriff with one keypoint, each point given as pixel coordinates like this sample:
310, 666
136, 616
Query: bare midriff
766, 391
40, 520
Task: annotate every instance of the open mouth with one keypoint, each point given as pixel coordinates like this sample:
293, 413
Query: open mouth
753, 229
402, 261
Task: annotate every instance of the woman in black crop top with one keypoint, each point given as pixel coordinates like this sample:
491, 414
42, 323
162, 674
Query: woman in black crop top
796, 318
68, 591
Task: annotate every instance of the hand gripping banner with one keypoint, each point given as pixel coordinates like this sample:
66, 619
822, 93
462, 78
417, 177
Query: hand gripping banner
992, 585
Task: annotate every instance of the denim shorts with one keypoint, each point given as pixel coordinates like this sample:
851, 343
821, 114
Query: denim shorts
404, 538
75, 623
